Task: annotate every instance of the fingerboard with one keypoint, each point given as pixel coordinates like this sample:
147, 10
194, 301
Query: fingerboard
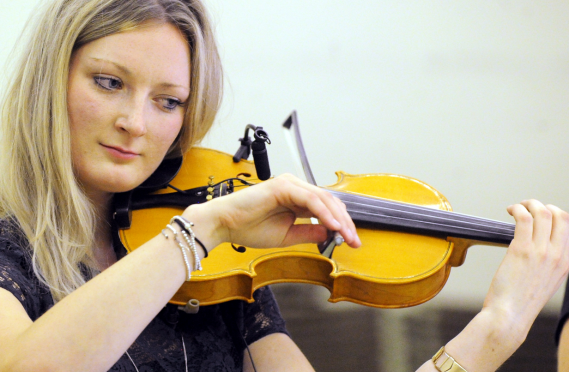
413, 218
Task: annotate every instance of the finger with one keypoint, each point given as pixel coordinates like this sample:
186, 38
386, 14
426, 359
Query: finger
305, 233
330, 210
542, 220
339, 212
324, 206
524, 222
301, 200
349, 223
560, 228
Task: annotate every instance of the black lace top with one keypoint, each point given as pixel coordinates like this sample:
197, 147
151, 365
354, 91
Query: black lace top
214, 338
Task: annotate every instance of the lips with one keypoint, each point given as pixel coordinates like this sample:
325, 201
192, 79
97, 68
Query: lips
120, 152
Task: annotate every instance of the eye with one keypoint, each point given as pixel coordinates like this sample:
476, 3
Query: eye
170, 104
108, 83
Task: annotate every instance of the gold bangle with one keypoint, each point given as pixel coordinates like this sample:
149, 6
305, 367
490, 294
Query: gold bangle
445, 363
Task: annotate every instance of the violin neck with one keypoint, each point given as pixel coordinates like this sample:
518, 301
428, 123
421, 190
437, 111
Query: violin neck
422, 220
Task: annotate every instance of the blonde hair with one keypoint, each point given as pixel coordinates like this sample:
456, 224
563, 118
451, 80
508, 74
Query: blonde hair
38, 188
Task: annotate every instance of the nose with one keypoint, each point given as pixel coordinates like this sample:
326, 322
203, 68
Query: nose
132, 119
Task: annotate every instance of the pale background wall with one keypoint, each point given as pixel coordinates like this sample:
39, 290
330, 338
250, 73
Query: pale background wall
468, 96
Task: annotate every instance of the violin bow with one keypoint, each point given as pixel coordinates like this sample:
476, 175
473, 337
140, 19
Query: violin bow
296, 146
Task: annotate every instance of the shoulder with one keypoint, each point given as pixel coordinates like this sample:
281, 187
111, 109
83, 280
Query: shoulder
13, 245
265, 302
16, 272
263, 317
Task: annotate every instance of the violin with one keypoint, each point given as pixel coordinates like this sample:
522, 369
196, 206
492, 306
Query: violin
410, 237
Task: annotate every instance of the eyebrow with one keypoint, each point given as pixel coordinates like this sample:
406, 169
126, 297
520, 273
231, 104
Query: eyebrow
126, 71
117, 65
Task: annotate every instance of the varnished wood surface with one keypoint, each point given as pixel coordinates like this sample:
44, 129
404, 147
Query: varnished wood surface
391, 269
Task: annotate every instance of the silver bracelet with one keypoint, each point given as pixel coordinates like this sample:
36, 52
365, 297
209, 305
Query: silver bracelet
183, 248
190, 238
187, 226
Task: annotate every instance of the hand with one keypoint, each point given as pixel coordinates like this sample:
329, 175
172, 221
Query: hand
535, 266
263, 216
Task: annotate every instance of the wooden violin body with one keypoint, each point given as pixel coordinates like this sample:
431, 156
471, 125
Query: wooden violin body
391, 269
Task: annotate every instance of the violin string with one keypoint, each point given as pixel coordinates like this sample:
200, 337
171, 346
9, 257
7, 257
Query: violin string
414, 213
428, 212
465, 229
442, 215
370, 200
471, 223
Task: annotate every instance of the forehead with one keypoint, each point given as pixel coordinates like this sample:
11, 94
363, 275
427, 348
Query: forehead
158, 52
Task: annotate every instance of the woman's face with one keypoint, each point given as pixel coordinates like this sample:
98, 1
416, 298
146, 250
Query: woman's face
125, 100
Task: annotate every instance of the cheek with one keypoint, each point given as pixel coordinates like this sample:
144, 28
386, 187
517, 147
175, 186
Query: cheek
84, 111
167, 133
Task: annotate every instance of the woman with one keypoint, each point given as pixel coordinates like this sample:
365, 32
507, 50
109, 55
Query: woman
106, 90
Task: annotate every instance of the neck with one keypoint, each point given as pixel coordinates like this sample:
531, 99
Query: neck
103, 250
422, 220
101, 202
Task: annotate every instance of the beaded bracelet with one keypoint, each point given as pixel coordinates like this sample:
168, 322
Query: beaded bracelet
182, 248
187, 227
190, 237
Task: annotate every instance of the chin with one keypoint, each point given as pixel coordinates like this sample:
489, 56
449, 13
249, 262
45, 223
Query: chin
125, 186
120, 185
111, 180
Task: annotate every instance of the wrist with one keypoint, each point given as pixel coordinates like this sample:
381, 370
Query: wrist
446, 363
487, 341
505, 327
205, 227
